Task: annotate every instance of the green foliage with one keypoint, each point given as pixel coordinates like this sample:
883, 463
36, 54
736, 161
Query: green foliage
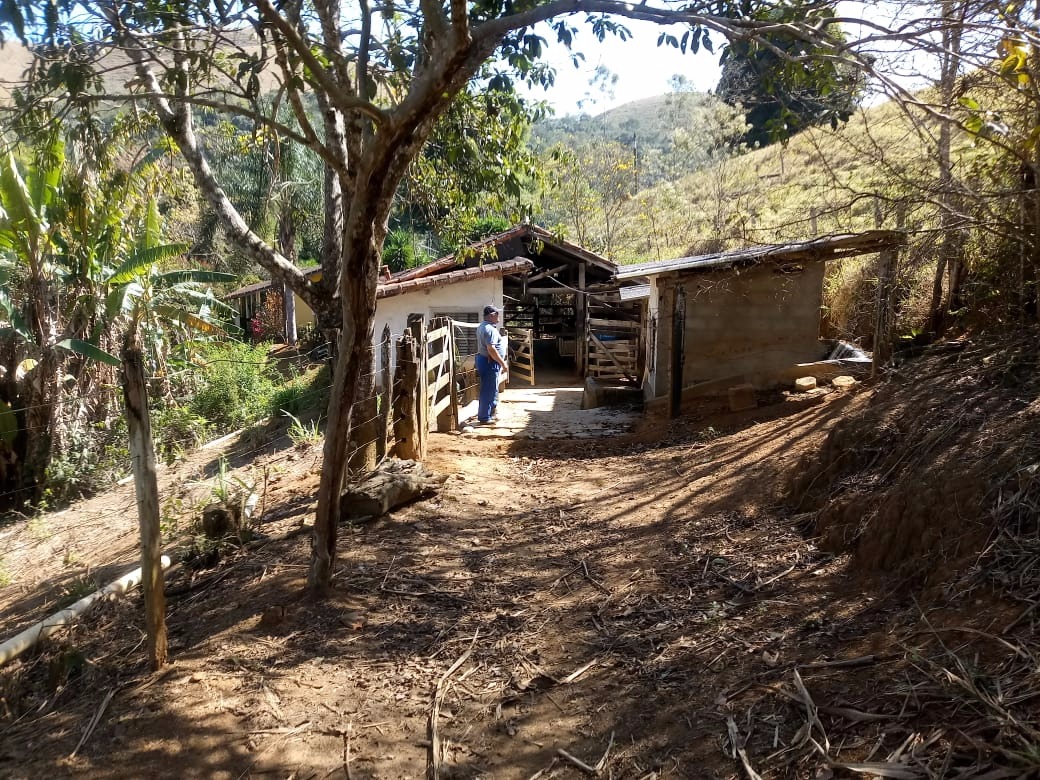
177, 430
476, 165
301, 433
404, 249
781, 85
170, 517
75, 590
487, 226
302, 394
269, 178
667, 136
93, 458
234, 386
229, 488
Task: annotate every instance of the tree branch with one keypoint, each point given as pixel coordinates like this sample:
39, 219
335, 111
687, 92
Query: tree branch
343, 100
177, 123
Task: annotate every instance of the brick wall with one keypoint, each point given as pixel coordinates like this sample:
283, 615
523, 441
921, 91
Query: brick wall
755, 322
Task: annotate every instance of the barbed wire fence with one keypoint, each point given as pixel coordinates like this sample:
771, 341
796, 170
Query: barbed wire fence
378, 419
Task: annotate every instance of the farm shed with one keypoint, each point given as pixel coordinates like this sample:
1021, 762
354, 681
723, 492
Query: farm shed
457, 291
748, 316
563, 307
248, 300
568, 312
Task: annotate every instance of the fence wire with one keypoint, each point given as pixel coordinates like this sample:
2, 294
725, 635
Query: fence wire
385, 438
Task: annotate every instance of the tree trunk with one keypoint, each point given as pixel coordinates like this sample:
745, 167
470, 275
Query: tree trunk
352, 378
142, 455
40, 399
948, 259
42, 386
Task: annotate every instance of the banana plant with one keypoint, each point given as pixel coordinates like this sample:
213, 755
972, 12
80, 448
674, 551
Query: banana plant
148, 300
28, 247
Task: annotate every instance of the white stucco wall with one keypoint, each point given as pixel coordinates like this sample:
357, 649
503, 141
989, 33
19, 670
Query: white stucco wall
304, 314
468, 296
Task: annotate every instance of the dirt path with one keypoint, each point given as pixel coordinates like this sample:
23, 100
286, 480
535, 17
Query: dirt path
617, 599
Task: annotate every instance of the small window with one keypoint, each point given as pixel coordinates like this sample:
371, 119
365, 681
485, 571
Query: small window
465, 338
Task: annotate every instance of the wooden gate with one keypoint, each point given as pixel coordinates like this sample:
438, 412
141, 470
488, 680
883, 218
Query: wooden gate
443, 401
521, 355
613, 350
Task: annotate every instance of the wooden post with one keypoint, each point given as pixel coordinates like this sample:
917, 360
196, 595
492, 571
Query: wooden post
364, 435
417, 327
405, 379
146, 487
581, 339
883, 317
365, 430
678, 348
448, 420
386, 415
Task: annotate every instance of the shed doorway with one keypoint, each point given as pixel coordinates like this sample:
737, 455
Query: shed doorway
570, 332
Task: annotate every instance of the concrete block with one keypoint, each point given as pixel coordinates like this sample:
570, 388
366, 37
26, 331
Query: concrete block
843, 382
804, 384
742, 397
590, 398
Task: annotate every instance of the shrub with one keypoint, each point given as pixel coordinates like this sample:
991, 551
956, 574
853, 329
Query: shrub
302, 394
269, 320
403, 249
92, 458
177, 430
235, 386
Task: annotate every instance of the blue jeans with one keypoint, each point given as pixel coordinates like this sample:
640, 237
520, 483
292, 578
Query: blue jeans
487, 401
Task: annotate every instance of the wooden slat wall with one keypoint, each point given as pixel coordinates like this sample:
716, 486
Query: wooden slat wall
440, 364
614, 339
522, 362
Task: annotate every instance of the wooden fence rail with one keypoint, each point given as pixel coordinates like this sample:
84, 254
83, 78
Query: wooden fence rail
422, 382
522, 359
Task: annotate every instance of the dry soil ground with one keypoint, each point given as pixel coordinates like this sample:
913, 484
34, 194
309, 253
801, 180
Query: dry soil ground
633, 604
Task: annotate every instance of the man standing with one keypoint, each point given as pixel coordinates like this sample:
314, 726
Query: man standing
490, 361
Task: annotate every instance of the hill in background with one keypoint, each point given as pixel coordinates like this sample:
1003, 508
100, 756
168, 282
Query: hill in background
876, 170
664, 136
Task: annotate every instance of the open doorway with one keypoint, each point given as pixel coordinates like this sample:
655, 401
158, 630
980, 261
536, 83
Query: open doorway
545, 324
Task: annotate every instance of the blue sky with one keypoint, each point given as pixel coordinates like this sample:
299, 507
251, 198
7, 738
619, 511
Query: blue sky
643, 69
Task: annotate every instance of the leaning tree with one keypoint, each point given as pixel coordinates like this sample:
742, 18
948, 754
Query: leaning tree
382, 74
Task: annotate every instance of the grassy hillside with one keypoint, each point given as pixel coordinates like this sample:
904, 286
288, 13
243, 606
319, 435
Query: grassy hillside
117, 68
820, 182
877, 170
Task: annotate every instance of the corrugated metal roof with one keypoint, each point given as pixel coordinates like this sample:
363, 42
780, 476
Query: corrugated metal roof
823, 248
634, 292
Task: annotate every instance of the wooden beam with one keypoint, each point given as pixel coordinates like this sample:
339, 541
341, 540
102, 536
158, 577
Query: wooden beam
547, 273
678, 345
613, 359
549, 291
581, 324
887, 261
